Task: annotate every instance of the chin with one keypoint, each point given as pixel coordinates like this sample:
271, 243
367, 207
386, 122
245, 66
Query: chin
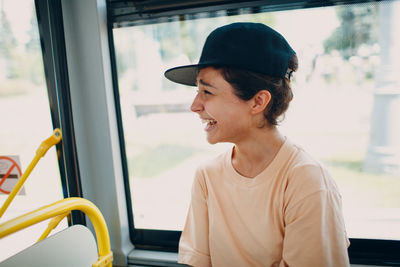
212, 141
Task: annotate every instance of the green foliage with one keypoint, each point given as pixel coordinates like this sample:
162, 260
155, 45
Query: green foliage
29, 66
185, 36
33, 44
358, 26
163, 157
21, 63
364, 189
7, 39
351, 165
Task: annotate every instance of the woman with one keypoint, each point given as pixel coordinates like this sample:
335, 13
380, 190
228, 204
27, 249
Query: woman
265, 202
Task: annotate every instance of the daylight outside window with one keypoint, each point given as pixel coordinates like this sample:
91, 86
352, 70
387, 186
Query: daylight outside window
25, 122
345, 112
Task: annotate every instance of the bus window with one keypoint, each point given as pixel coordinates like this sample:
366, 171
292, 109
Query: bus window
25, 120
339, 113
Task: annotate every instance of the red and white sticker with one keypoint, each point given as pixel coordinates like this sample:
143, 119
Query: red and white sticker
10, 173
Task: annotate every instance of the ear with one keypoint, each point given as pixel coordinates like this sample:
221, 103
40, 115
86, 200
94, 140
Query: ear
260, 101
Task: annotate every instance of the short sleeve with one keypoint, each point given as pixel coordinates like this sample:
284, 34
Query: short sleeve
194, 242
314, 227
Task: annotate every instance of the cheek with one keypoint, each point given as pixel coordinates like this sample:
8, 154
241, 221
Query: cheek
235, 115
241, 115
231, 111
208, 107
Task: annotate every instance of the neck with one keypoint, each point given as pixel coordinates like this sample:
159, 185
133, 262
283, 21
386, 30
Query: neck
251, 156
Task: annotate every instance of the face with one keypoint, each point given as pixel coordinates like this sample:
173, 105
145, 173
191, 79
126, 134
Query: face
226, 118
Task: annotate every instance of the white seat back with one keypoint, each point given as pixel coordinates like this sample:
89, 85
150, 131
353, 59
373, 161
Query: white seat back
74, 246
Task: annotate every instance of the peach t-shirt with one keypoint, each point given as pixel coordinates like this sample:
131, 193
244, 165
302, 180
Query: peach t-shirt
288, 215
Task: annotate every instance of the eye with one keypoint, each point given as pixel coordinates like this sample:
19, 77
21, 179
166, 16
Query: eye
204, 92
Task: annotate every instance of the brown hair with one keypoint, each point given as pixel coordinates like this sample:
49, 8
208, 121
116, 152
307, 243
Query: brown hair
247, 83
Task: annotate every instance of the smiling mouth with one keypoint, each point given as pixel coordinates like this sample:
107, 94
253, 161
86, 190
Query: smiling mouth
209, 124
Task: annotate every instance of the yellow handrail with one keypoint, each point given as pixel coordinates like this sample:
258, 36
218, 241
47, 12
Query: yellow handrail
59, 208
52, 225
40, 152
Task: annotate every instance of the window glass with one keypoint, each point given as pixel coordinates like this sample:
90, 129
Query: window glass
25, 120
345, 112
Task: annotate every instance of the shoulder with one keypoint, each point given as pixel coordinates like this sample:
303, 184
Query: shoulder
209, 171
305, 169
307, 176
215, 165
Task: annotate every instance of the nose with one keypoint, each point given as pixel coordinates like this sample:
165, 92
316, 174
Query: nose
197, 105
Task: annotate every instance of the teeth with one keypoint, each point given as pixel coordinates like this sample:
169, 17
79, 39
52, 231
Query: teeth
209, 121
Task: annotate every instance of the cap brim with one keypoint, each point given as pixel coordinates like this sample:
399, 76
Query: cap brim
186, 75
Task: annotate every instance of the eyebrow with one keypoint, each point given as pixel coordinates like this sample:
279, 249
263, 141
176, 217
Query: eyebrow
204, 83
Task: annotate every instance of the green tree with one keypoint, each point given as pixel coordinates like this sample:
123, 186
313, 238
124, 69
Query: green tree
33, 43
7, 39
33, 56
358, 26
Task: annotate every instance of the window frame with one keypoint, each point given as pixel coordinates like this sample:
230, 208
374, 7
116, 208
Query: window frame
51, 33
132, 13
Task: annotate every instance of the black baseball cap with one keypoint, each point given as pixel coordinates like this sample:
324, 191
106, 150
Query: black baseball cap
242, 45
